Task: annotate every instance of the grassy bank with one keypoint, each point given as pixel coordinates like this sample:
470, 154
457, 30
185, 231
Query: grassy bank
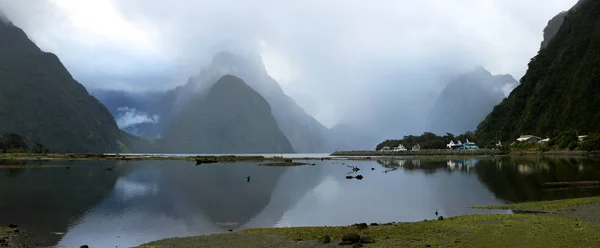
547, 206
6, 235
517, 230
465, 231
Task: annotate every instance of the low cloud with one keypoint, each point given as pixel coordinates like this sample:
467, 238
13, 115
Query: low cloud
129, 117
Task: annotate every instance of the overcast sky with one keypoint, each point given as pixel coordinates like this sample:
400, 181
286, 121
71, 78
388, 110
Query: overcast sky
333, 57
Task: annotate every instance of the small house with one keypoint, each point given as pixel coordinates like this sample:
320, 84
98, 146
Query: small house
529, 139
416, 147
386, 148
581, 138
400, 148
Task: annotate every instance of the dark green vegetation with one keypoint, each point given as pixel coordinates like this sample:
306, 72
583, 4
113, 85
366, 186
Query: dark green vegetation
429, 141
547, 205
41, 101
561, 89
231, 118
11, 143
467, 100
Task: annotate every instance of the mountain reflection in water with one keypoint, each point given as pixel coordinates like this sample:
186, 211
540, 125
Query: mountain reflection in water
147, 200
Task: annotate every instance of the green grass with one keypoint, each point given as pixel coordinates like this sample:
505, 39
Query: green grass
5, 231
546, 205
517, 230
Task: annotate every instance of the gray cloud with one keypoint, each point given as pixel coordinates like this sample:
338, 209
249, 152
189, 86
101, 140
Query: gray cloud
377, 63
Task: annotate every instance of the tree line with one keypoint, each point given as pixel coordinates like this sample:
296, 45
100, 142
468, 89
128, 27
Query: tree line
14, 143
427, 140
566, 140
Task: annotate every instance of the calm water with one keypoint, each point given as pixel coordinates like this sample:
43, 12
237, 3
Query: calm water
148, 200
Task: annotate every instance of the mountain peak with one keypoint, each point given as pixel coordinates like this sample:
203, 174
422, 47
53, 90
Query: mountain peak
3, 18
481, 70
230, 118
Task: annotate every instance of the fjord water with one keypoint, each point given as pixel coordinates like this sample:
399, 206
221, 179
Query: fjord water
67, 204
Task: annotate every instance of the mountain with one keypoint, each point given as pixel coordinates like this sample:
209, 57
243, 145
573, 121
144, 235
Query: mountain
467, 99
305, 133
561, 89
230, 118
40, 99
554, 24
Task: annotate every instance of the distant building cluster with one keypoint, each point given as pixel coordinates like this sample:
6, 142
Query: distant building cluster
400, 148
536, 139
462, 146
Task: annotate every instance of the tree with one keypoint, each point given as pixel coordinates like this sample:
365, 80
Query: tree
11, 142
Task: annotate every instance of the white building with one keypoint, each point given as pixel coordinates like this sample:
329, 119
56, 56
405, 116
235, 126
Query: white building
529, 139
416, 147
399, 148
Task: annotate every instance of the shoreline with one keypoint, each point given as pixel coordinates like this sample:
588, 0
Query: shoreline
559, 223
338, 155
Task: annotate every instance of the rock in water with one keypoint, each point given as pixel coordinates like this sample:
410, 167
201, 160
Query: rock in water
325, 239
84, 246
351, 237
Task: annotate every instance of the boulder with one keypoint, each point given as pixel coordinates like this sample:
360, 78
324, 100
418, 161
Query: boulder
352, 237
84, 246
346, 243
325, 239
441, 218
367, 240
360, 226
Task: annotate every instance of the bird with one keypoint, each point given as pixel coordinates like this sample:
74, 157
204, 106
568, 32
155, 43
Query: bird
436, 213
247, 179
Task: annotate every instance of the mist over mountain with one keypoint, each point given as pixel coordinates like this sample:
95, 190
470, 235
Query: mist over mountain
348, 138
40, 100
230, 118
467, 100
560, 90
304, 132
